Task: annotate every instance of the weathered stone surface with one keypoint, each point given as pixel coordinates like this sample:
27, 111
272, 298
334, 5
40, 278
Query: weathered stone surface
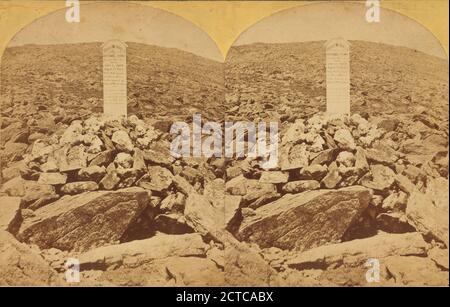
405, 184
79, 187
173, 202
415, 271
361, 163
305, 220
345, 158
437, 190
202, 216
395, 222
21, 266
12, 152
160, 179
14, 170
301, 186
244, 267
232, 204
332, 179
326, 156
255, 190
172, 271
84, 221
138, 252
123, 160
440, 257
159, 153
71, 158
293, 157
103, 159
110, 181
52, 178
215, 191
14, 187
344, 139
427, 218
273, 177
381, 155
172, 223
92, 173
35, 191
122, 141
381, 178
314, 171
358, 251
9, 213
237, 185
182, 185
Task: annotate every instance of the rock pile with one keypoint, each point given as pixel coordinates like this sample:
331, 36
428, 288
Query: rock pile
109, 193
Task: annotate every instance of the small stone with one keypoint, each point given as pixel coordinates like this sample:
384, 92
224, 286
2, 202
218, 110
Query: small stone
301, 186
79, 187
103, 158
344, 139
110, 181
345, 158
92, 173
326, 156
52, 178
381, 178
122, 141
314, 171
160, 179
273, 177
123, 160
332, 179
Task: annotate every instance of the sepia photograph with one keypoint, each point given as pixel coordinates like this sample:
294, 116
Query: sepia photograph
142, 146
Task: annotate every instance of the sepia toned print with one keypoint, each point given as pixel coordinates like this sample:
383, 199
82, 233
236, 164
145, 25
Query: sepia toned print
315, 154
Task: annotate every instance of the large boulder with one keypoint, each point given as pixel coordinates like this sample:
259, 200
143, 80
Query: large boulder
84, 221
9, 213
356, 252
22, 266
202, 216
138, 252
426, 217
306, 220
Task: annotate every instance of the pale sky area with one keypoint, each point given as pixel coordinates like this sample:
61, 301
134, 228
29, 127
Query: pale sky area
322, 21
125, 21
312, 22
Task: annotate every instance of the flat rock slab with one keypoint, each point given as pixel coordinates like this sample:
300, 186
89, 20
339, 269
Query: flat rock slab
9, 212
428, 218
84, 221
138, 252
22, 266
356, 252
306, 220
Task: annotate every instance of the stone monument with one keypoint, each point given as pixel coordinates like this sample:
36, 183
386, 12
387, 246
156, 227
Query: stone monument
114, 78
338, 76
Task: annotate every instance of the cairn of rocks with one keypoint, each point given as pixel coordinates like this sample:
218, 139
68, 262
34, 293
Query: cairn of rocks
109, 193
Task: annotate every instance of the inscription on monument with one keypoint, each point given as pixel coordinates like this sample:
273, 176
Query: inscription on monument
114, 78
338, 76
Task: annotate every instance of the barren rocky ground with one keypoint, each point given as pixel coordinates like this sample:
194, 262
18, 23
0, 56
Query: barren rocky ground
373, 185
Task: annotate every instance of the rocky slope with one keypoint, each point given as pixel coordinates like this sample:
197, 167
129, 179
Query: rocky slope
281, 80
108, 192
162, 82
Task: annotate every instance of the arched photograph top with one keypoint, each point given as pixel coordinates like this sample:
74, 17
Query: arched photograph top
170, 69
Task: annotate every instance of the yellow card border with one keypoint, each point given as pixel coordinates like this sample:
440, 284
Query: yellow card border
223, 21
